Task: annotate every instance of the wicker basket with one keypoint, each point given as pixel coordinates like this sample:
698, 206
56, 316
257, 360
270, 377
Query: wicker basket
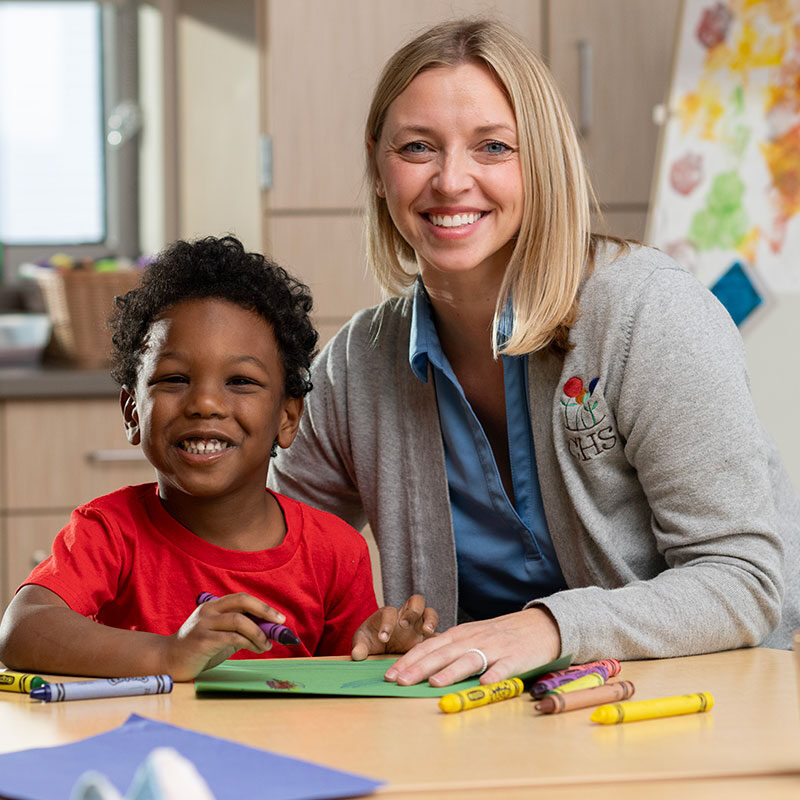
79, 303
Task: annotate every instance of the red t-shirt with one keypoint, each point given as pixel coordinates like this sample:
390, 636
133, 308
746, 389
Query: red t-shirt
122, 560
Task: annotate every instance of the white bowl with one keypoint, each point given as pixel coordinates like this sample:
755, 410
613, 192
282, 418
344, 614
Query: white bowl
23, 337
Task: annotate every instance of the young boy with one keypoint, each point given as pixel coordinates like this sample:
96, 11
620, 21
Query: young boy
211, 351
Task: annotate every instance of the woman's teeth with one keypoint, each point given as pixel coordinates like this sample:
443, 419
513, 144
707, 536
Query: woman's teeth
456, 220
199, 446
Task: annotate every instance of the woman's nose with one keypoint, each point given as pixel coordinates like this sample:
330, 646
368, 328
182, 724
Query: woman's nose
454, 175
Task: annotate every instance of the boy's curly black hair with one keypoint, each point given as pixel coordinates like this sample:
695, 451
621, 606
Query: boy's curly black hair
216, 268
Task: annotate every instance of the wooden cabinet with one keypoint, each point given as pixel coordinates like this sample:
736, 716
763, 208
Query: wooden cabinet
612, 60
28, 541
319, 62
55, 455
326, 251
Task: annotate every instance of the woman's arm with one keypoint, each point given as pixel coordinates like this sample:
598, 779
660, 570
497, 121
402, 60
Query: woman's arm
685, 554
512, 644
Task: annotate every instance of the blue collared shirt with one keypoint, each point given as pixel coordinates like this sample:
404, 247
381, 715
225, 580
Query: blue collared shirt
504, 551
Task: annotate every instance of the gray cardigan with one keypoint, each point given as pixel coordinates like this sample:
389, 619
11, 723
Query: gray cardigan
668, 507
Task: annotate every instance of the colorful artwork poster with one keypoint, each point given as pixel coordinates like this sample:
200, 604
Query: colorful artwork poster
727, 189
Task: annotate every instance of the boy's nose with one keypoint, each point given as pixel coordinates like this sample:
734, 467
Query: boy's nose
205, 401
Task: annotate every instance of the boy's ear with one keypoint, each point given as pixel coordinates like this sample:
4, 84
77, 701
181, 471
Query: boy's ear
130, 415
290, 420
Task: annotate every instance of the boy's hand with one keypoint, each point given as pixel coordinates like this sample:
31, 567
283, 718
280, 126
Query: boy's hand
391, 631
214, 631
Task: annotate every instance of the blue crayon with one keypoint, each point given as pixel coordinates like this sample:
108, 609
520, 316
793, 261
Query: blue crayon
278, 633
103, 687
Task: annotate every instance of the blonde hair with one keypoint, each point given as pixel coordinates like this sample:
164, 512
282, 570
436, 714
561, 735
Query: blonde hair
554, 245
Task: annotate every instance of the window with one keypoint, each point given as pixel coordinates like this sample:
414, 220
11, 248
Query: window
63, 75
52, 155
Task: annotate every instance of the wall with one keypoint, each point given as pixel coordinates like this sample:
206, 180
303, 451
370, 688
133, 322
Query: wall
770, 344
217, 125
152, 211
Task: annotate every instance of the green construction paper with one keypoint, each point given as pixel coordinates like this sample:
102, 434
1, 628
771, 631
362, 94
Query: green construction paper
329, 676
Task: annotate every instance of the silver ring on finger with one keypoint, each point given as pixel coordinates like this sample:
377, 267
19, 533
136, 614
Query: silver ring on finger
484, 660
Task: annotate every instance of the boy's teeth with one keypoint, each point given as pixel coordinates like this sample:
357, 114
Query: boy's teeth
454, 221
203, 445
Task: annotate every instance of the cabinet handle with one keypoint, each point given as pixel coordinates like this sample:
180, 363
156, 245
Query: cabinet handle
586, 71
117, 456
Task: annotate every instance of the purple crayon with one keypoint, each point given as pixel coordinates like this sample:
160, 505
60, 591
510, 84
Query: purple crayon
542, 687
611, 664
278, 633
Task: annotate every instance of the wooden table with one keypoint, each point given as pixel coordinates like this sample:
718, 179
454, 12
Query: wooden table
748, 746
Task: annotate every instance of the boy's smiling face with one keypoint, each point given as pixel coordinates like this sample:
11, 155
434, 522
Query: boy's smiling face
209, 401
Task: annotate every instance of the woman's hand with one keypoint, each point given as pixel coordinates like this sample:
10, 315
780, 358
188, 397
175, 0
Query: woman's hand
214, 631
391, 631
512, 644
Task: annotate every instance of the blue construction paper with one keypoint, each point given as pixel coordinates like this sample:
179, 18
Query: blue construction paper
736, 292
232, 771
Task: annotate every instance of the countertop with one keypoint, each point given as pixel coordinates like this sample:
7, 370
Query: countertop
45, 381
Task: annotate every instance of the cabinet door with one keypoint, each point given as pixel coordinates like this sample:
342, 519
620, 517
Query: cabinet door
612, 59
29, 539
60, 453
327, 253
321, 61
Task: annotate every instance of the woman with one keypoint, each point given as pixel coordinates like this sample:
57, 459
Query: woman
550, 433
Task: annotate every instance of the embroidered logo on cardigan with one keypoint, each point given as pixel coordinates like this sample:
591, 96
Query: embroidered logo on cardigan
584, 414
580, 406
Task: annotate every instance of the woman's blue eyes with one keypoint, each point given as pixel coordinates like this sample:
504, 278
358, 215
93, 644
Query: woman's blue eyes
492, 148
497, 148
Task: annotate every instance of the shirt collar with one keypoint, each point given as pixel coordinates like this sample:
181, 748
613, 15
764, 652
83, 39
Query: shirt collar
423, 345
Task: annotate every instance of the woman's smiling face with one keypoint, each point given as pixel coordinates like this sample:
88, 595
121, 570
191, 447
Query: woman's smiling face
448, 166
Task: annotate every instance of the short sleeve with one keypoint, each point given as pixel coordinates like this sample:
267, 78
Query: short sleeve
86, 564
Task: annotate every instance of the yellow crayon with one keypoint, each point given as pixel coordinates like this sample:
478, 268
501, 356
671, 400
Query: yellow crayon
481, 695
652, 709
19, 682
584, 682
